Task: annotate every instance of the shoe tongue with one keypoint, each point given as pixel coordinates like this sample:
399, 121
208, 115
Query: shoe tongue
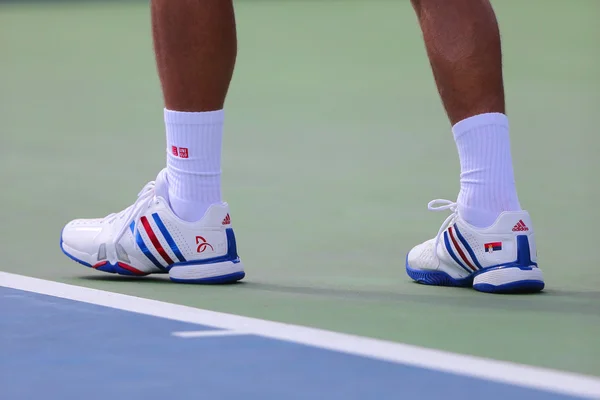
161, 185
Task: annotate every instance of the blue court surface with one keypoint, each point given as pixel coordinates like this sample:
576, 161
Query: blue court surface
60, 341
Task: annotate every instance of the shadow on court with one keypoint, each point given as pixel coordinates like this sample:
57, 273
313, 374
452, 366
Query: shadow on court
551, 300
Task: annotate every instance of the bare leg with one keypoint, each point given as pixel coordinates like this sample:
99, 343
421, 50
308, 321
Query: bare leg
195, 45
463, 44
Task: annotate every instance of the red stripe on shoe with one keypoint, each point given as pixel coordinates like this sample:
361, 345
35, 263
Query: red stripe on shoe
131, 269
460, 252
155, 241
98, 265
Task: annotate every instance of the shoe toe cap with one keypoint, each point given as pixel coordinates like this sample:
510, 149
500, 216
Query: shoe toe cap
423, 256
80, 234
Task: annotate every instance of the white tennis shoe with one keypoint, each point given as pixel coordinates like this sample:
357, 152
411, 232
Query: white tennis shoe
499, 259
147, 238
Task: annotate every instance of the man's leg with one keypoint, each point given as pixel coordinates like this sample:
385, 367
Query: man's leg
195, 46
463, 44
179, 223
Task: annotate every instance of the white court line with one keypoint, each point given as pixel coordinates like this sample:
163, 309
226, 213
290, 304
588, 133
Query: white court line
492, 370
200, 334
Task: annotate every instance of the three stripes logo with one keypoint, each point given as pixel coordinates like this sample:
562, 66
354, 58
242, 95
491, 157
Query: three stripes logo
520, 227
460, 250
153, 236
226, 220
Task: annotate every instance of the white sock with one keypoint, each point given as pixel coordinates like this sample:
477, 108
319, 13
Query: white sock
487, 182
193, 161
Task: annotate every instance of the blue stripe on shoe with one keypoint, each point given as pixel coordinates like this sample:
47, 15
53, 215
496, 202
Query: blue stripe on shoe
168, 237
451, 252
466, 245
140, 242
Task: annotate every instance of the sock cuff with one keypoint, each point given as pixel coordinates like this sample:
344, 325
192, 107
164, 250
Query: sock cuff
194, 118
479, 121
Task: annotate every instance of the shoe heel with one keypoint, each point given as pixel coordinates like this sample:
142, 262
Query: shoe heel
213, 273
522, 276
223, 269
510, 280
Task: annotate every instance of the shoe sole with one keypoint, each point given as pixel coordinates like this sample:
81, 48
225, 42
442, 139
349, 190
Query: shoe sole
509, 280
223, 272
207, 274
500, 280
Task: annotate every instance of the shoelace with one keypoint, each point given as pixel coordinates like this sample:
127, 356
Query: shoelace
131, 213
442, 205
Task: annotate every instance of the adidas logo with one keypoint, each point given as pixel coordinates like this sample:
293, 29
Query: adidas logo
520, 226
226, 220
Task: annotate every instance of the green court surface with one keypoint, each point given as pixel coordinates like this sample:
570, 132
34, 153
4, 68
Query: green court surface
335, 142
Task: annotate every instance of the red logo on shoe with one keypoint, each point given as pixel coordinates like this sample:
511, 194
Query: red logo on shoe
520, 226
202, 244
174, 151
226, 220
